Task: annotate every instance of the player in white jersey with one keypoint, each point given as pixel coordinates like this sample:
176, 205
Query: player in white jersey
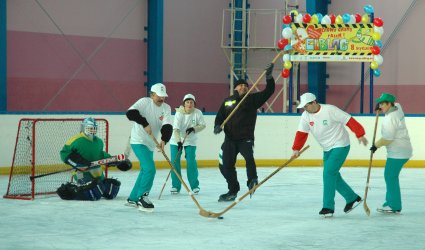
326, 123
151, 116
188, 122
395, 138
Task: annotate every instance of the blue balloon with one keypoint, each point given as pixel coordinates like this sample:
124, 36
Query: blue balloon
285, 26
346, 17
378, 43
369, 9
377, 72
319, 16
287, 47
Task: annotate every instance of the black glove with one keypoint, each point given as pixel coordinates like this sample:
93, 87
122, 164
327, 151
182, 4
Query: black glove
190, 130
179, 146
217, 129
77, 161
269, 71
377, 107
373, 148
124, 165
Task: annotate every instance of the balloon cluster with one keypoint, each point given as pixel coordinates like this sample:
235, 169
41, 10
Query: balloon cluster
318, 18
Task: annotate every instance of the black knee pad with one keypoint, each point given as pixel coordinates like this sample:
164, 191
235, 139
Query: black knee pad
91, 191
67, 191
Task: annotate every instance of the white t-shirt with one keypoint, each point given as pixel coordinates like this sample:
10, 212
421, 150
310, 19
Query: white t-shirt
183, 121
327, 126
156, 117
394, 128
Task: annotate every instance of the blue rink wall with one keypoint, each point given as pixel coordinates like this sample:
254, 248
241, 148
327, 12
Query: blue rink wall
274, 136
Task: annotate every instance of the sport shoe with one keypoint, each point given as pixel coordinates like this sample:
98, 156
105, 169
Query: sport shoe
326, 212
350, 206
196, 190
387, 210
251, 185
131, 203
174, 190
227, 197
145, 204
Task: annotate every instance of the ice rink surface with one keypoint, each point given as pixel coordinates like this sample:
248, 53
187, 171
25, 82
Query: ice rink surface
282, 214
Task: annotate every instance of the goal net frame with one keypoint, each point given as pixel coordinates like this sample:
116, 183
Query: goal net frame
32, 149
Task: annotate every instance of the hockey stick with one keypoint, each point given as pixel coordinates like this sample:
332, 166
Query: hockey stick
366, 208
247, 93
115, 158
201, 210
174, 162
215, 215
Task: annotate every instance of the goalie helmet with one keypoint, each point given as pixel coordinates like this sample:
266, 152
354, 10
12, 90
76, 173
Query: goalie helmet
89, 127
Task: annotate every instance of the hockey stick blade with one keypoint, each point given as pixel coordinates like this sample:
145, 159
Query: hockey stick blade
209, 214
115, 158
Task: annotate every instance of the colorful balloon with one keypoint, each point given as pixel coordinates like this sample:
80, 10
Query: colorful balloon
285, 73
287, 33
306, 18
378, 43
338, 20
365, 18
374, 65
299, 18
319, 17
358, 18
282, 43
368, 9
379, 59
314, 19
376, 36
375, 50
287, 65
378, 22
379, 30
377, 72
295, 12
287, 19
326, 20
346, 18
332, 17
286, 57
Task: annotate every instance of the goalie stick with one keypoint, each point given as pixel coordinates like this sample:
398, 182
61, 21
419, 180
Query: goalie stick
216, 215
115, 158
366, 208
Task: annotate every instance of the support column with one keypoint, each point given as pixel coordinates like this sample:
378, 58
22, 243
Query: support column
317, 70
155, 42
3, 55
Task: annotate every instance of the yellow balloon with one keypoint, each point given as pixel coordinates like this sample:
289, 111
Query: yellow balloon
338, 20
295, 12
365, 18
314, 19
287, 65
376, 36
374, 65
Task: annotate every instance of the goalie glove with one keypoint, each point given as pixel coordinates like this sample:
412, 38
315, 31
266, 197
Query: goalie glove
121, 165
77, 161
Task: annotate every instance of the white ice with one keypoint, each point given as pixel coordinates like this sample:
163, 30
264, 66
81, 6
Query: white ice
282, 214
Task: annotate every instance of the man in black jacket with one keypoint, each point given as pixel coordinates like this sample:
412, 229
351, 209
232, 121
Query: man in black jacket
239, 132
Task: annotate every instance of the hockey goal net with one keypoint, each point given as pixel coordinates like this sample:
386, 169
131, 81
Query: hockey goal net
37, 147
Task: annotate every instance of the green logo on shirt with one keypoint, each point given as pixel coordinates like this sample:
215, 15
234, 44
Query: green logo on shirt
325, 122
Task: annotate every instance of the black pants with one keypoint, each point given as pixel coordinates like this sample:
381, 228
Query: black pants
230, 150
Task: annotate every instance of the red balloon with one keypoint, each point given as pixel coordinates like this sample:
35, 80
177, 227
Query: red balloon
358, 18
287, 19
282, 43
332, 17
378, 22
375, 50
285, 73
306, 18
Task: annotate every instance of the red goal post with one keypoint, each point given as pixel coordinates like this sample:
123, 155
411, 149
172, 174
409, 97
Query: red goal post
37, 147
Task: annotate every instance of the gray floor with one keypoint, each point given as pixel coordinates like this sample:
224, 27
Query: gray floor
283, 214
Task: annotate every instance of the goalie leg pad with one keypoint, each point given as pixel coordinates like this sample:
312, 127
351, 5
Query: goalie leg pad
91, 191
67, 191
111, 187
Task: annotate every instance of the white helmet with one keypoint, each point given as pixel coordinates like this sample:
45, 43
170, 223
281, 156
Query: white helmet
189, 96
89, 127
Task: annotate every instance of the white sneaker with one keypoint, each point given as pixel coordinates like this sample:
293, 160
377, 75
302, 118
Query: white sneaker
196, 190
174, 190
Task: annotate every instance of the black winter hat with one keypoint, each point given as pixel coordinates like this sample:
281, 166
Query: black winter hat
240, 81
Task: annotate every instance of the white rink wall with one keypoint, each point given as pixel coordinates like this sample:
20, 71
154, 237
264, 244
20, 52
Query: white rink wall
274, 136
